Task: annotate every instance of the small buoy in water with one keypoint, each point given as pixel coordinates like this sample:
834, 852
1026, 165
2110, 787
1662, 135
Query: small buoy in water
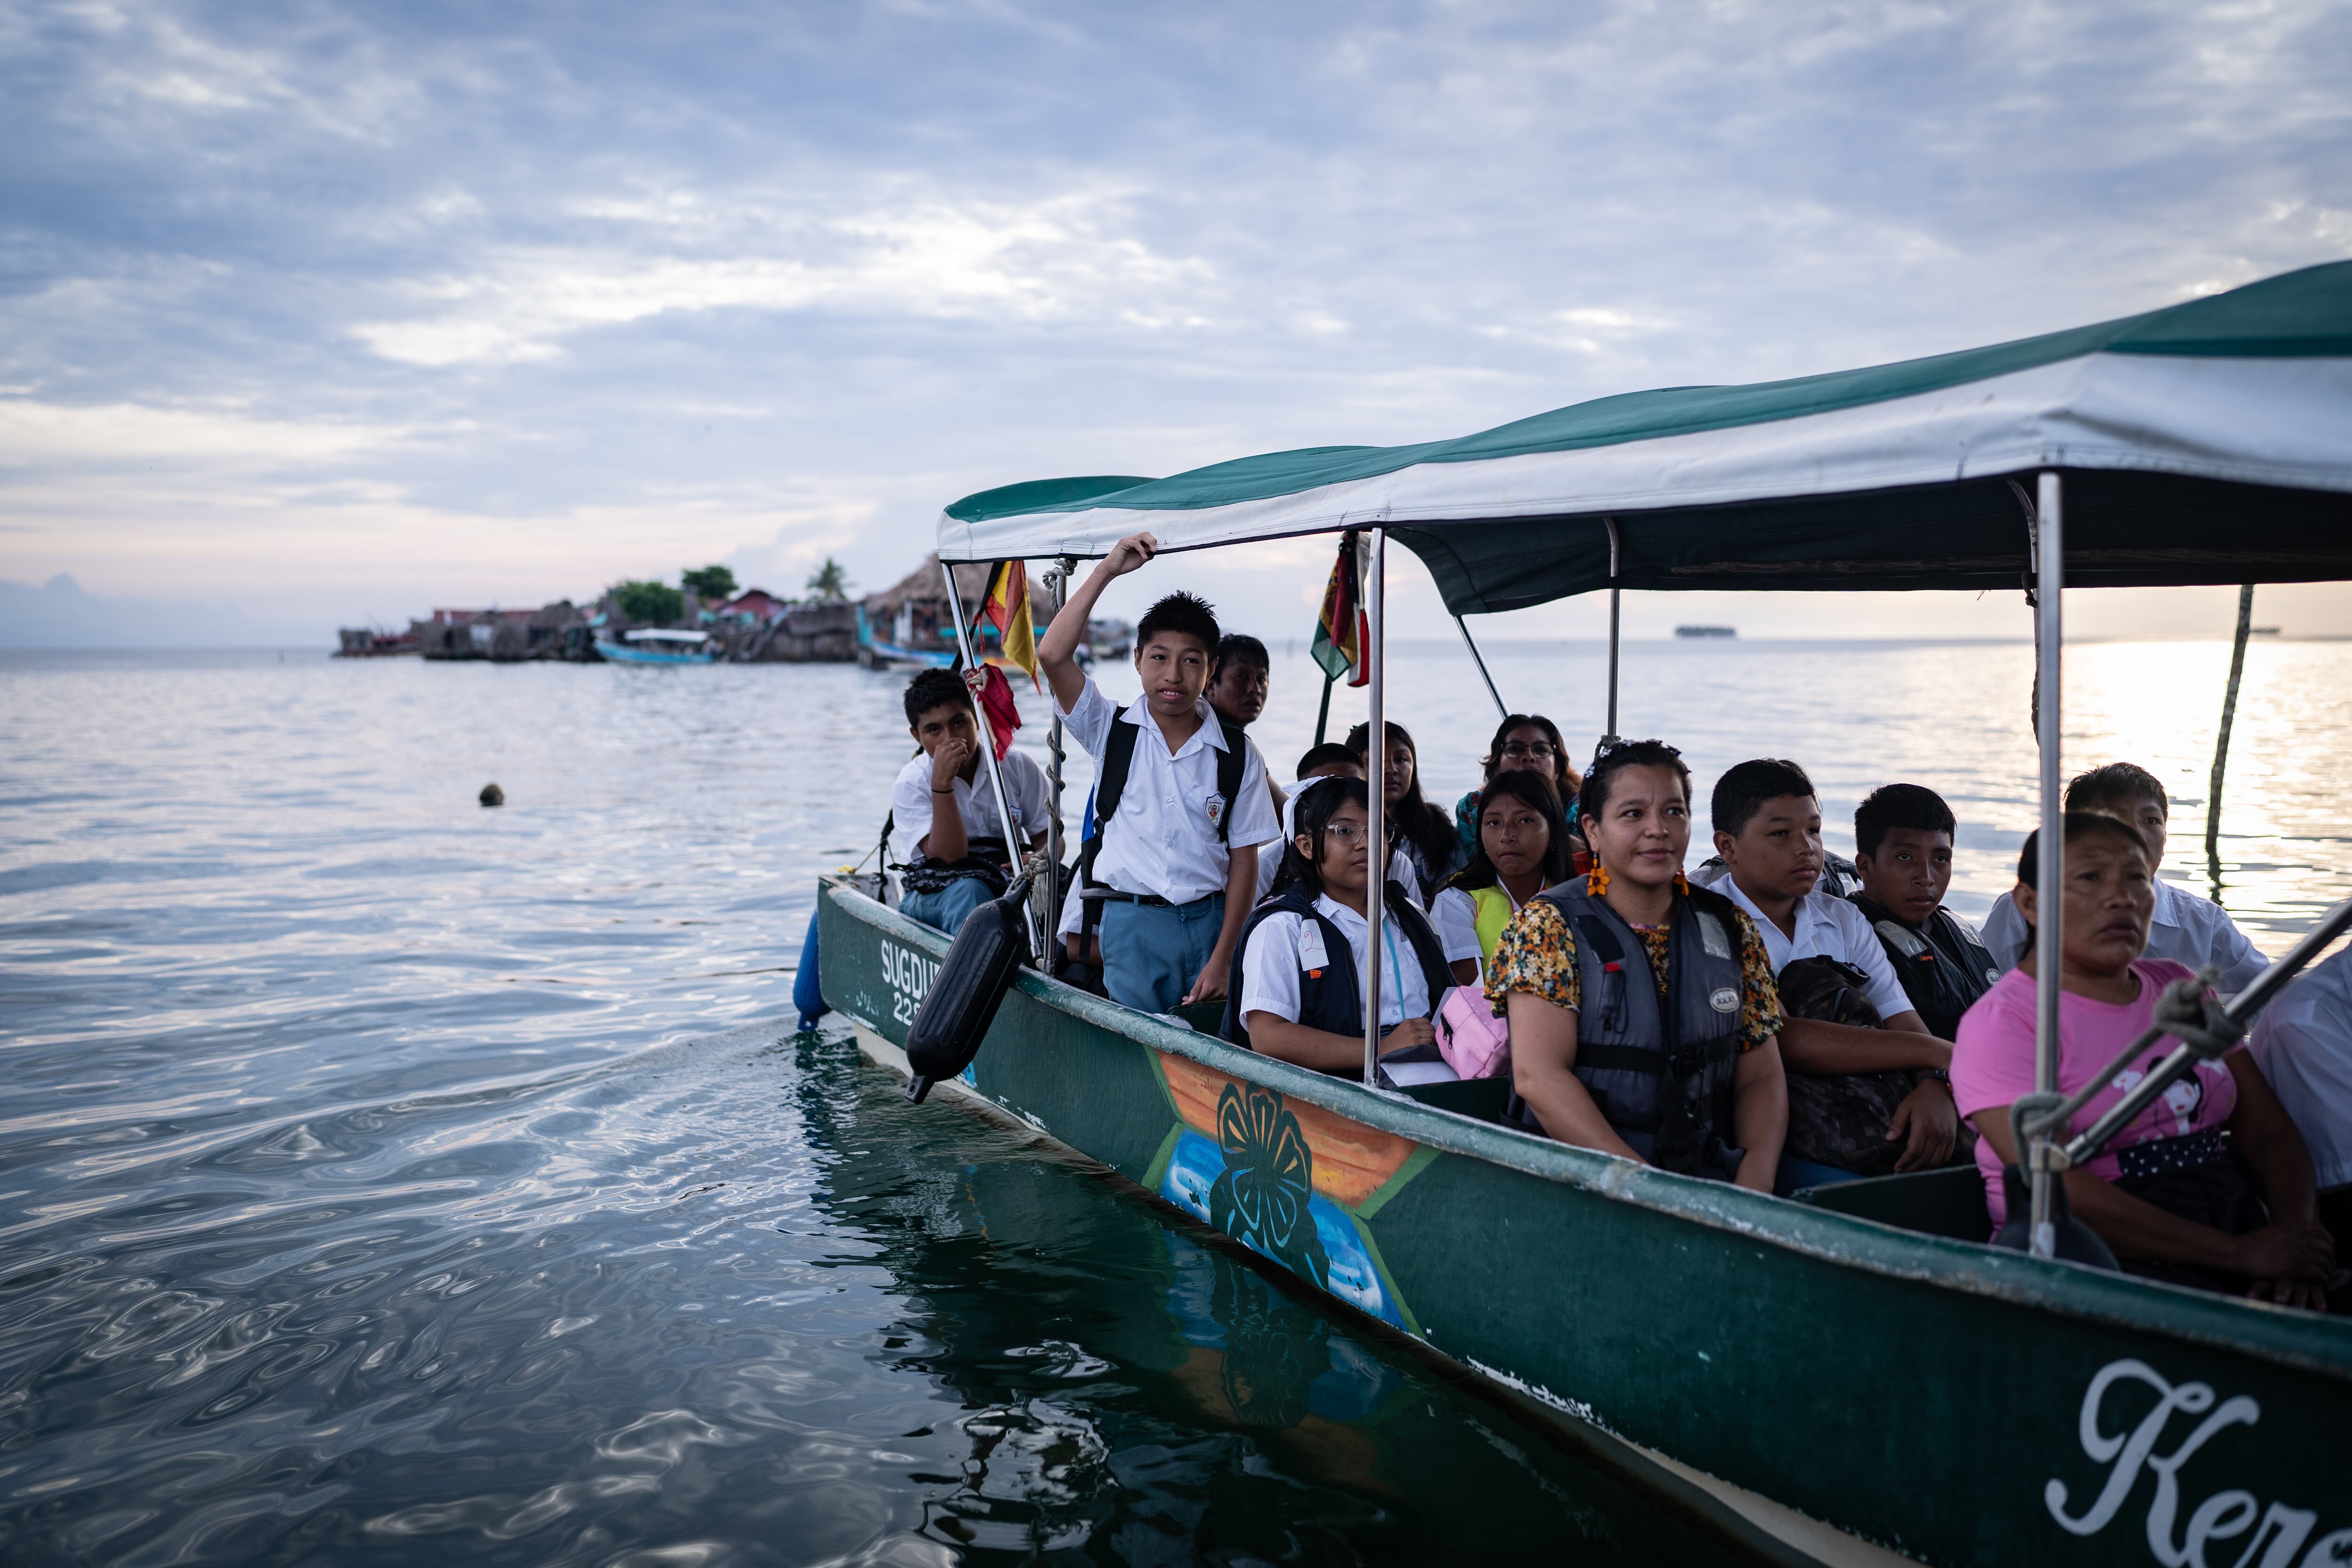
493, 795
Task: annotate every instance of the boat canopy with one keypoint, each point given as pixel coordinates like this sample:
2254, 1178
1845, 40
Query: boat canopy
2207, 442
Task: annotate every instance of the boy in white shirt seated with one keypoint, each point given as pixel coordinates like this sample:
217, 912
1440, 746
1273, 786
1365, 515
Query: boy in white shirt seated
1866, 1098
2302, 1043
2187, 929
1298, 987
1181, 801
963, 855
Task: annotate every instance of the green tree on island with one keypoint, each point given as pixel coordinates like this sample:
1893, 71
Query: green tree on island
829, 583
649, 604
712, 581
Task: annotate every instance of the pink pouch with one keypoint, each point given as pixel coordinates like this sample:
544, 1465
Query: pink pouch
1474, 1042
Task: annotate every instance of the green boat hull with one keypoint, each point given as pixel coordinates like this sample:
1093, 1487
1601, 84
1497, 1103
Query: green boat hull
1931, 1395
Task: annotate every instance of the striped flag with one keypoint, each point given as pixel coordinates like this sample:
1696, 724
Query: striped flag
1343, 630
1006, 605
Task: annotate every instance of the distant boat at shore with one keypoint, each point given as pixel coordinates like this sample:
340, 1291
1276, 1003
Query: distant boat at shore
657, 646
2263, 631
1707, 631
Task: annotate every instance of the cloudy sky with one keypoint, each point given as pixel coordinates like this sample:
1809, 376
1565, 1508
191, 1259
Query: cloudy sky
322, 312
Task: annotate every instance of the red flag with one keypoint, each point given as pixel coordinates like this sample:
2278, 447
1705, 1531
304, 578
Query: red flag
995, 694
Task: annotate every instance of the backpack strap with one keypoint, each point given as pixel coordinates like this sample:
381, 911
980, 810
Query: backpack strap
1232, 763
1118, 759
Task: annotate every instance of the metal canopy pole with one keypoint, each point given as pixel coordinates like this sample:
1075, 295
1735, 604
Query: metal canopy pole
1480, 663
2222, 740
1608, 737
988, 751
1376, 849
2050, 861
1057, 582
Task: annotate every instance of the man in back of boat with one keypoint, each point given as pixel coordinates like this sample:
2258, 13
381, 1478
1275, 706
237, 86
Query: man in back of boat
1644, 1019
1903, 836
2302, 1043
2185, 928
963, 855
1181, 802
1869, 1088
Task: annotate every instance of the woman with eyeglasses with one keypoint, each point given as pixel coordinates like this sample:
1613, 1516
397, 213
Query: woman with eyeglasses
1296, 991
1523, 742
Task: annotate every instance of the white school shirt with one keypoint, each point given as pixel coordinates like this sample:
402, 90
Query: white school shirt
1828, 927
2185, 928
2302, 1043
1162, 839
1270, 964
1269, 860
1024, 786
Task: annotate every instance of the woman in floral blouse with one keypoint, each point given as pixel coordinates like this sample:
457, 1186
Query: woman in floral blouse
1695, 951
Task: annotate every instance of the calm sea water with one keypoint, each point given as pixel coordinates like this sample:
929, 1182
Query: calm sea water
384, 1179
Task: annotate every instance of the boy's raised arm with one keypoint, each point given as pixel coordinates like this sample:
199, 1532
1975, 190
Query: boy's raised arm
1059, 650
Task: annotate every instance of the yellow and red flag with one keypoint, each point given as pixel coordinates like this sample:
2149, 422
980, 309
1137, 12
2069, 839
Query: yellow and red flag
1007, 606
1343, 628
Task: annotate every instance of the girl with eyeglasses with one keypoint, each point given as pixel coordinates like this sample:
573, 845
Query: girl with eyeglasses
1296, 990
1523, 742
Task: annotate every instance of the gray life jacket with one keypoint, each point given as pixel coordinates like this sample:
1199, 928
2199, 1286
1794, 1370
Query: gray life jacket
1661, 1076
1944, 968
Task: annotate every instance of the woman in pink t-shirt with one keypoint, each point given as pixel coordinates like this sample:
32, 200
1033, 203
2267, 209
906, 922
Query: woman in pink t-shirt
2168, 1196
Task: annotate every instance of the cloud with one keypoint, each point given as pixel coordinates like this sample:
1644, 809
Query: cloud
374, 301
1061, 258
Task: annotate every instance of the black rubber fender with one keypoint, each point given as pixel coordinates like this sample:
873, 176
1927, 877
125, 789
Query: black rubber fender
970, 986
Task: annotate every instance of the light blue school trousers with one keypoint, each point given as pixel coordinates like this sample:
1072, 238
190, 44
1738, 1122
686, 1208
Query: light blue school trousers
947, 908
1151, 953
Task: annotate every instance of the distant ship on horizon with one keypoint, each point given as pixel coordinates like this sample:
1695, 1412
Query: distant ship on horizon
1707, 631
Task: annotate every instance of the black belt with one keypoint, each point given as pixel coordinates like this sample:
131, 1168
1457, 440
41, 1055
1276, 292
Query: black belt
1115, 895
2158, 1156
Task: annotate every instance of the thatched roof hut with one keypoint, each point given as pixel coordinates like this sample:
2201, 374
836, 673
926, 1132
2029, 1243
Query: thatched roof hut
925, 583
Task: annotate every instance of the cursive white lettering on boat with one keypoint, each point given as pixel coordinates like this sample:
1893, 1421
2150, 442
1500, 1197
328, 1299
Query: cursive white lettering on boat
2224, 1516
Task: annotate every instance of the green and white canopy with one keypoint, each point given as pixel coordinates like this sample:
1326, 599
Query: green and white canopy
2208, 442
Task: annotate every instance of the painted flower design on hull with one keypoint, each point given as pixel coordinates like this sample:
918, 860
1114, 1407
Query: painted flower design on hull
1261, 1196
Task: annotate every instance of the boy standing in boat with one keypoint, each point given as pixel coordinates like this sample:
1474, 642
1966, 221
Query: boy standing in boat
1182, 801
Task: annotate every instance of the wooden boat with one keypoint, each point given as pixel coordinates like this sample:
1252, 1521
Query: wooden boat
1855, 1372
658, 645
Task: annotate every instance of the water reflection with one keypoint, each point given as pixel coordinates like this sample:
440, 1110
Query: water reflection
1131, 1383
379, 1182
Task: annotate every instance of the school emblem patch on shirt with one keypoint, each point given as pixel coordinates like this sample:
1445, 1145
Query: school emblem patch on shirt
1215, 806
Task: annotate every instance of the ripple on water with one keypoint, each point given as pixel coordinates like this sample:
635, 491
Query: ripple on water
382, 1180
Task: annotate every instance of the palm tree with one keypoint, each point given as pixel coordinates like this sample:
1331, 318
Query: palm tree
829, 583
